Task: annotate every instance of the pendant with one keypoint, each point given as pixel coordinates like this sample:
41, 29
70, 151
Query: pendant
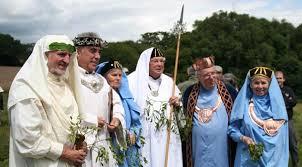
154, 93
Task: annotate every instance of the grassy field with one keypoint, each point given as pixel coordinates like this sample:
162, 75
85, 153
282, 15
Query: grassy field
4, 135
4, 132
298, 127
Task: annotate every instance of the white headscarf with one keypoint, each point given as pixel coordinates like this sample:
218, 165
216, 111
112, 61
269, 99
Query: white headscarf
138, 80
31, 80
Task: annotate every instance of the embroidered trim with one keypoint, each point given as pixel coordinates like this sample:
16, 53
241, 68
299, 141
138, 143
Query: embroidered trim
205, 114
95, 85
269, 126
89, 41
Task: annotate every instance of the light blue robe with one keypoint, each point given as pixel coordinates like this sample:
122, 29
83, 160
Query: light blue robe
133, 124
276, 149
209, 140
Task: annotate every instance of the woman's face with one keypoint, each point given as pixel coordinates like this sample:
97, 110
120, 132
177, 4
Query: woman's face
260, 85
114, 78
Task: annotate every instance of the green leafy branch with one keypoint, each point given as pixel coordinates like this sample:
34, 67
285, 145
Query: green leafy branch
256, 151
158, 116
77, 136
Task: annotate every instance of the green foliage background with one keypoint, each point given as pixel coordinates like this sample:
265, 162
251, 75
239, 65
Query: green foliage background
238, 42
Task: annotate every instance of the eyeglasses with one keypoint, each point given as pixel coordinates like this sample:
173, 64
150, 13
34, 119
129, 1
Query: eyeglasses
207, 75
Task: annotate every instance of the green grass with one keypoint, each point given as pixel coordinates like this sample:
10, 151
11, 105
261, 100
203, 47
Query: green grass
298, 126
4, 133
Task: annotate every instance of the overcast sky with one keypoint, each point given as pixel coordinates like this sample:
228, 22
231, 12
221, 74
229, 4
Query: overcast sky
118, 20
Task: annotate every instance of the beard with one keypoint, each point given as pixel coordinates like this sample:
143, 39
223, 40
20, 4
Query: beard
56, 71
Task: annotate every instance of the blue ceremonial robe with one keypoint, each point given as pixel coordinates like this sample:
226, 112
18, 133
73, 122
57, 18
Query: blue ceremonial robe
133, 124
276, 149
209, 140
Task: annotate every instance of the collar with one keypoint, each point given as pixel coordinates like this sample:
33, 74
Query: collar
83, 71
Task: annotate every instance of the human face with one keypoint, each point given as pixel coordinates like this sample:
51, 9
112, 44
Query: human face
207, 77
260, 85
156, 66
280, 78
114, 78
88, 57
219, 75
57, 62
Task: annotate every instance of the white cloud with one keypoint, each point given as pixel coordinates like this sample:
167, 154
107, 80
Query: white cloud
117, 20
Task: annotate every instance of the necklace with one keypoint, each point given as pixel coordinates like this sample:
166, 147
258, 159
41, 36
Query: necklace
95, 84
154, 93
269, 126
206, 114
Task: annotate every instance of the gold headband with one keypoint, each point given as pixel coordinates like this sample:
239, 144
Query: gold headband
261, 71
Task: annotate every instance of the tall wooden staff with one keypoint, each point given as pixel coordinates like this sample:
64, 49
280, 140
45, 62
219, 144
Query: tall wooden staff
174, 82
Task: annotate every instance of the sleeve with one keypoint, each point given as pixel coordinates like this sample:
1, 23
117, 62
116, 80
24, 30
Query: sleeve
290, 98
234, 130
136, 125
179, 111
119, 113
28, 127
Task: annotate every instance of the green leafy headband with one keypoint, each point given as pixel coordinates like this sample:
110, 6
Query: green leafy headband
61, 47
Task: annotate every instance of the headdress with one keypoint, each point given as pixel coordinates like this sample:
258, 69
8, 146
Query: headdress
108, 66
261, 71
205, 62
156, 53
35, 68
61, 46
275, 97
89, 39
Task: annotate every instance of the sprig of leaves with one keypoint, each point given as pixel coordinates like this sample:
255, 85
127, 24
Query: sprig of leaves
79, 130
158, 116
256, 151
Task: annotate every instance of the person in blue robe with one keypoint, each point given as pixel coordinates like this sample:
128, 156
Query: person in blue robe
132, 112
208, 104
259, 118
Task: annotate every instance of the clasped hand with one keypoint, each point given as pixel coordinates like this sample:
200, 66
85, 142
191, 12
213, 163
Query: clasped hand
112, 126
174, 101
247, 140
73, 156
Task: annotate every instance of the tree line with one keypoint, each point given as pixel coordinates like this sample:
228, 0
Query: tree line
238, 42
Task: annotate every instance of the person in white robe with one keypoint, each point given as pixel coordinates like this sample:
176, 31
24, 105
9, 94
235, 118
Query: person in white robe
152, 91
42, 100
103, 107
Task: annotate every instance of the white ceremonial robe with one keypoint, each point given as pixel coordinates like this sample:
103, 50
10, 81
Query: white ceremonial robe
39, 131
96, 104
155, 140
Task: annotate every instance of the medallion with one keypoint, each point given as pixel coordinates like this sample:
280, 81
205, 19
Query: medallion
154, 93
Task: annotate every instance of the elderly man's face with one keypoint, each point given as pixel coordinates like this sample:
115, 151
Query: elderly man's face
207, 77
58, 62
88, 57
156, 66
